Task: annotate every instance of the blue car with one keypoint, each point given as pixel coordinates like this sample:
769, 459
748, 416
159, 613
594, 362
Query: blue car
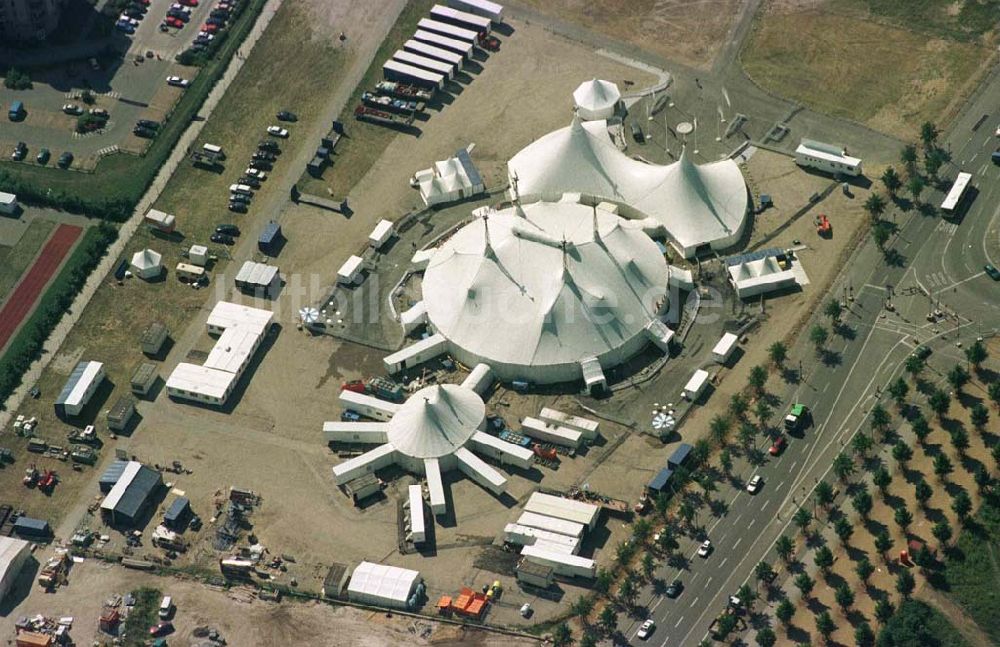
125, 27
350, 416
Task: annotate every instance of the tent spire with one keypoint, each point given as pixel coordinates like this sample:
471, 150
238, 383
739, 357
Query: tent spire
597, 233
487, 248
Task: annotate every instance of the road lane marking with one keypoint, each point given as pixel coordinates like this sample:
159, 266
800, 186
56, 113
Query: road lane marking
766, 503
723, 562
694, 602
752, 522
793, 466
679, 622
709, 582
737, 543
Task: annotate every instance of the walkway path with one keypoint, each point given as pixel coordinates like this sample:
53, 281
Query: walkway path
958, 618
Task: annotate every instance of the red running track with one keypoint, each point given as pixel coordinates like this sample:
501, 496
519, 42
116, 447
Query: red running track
23, 299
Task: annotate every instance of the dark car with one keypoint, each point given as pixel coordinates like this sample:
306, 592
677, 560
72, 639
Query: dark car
222, 239
43, 156
20, 151
992, 272
218, 22
65, 159
262, 165
269, 145
237, 207
239, 197
145, 133
251, 182
219, 13
637, 134
264, 155
284, 115
675, 589
147, 123
228, 229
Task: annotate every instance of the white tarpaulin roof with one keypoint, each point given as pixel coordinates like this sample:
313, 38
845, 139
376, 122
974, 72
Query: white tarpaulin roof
146, 259
596, 97
436, 420
543, 293
695, 204
377, 582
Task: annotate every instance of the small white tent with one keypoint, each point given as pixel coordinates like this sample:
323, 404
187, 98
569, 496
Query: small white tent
596, 99
147, 264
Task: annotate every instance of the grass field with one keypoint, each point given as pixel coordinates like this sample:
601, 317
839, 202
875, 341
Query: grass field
366, 142
973, 572
915, 624
967, 20
877, 72
15, 260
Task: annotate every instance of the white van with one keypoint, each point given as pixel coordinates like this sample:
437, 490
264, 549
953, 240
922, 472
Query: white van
166, 606
241, 189
187, 272
212, 149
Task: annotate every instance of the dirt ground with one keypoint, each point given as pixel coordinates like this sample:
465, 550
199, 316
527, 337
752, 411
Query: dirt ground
907, 78
239, 617
689, 32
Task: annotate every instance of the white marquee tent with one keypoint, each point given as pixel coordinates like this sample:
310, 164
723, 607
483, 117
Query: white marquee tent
596, 99
147, 264
693, 205
381, 585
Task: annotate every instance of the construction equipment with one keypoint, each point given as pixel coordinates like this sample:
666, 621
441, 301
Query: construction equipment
823, 226
547, 454
47, 481
30, 476
54, 572
489, 43
379, 387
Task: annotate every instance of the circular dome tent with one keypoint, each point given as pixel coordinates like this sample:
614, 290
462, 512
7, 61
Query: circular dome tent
596, 99
435, 421
146, 264
535, 291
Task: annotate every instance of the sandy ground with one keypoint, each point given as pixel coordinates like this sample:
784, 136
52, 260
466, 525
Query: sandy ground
241, 619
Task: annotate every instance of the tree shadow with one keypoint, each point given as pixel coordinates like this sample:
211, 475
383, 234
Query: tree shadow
830, 358
894, 258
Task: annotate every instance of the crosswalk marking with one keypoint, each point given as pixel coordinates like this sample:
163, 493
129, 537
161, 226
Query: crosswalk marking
936, 280
945, 227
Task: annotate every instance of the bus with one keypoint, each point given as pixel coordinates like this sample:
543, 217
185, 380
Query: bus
953, 201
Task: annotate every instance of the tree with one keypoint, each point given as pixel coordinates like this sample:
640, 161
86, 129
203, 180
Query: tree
933, 161
608, 619
766, 638
832, 309
880, 234
982, 478
603, 581
899, 389
843, 467
942, 466
881, 478
825, 625
726, 461
582, 606
844, 597
757, 379
924, 558
861, 444
648, 565
959, 440
763, 411
961, 505
784, 547
687, 511
979, 415
802, 519
818, 336
995, 453
916, 186
875, 206
903, 517
864, 570
920, 429
624, 552
902, 452
738, 406
863, 635
804, 584
785, 611
923, 492
561, 635
823, 494
763, 572
880, 419
862, 504
844, 529
928, 134
958, 377
994, 393
883, 542
908, 156
976, 354
939, 402
746, 434
883, 610
641, 529
588, 639
666, 541
778, 353
719, 429
824, 559
891, 181
746, 596
914, 365
942, 532
904, 583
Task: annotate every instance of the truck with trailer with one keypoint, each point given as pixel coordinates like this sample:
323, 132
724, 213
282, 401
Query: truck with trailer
403, 91
381, 117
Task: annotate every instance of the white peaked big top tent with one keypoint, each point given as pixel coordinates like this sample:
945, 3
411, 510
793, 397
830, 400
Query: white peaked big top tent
692, 205
535, 291
146, 264
436, 430
596, 99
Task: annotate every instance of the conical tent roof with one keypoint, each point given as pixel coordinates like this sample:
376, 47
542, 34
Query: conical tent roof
146, 259
436, 420
596, 97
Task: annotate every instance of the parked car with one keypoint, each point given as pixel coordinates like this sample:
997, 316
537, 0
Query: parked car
277, 131
20, 151
161, 629
269, 145
72, 109
147, 123
646, 629
125, 26
262, 165
178, 17
285, 115
263, 155
222, 239
173, 21
145, 133
992, 272
65, 159
226, 228
43, 156
755, 483
237, 207
674, 589
250, 181
778, 446
178, 82
705, 548
190, 3
218, 22
208, 28
637, 134
256, 173
180, 8
100, 112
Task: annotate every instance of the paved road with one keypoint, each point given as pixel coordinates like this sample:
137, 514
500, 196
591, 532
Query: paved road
944, 258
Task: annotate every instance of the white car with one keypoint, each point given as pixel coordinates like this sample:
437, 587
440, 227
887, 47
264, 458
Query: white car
646, 630
998, 131
705, 548
180, 7
277, 131
755, 484
72, 109
257, 173
205, 36
178, 82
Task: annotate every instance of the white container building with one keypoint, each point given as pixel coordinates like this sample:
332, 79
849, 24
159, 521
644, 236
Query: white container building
414, 354
8, 203
563, 508
403, 73
827, 157
528, 536
373, 433
413, 318
451, 44
491, 10
14, 553
256, 277
463, 19
367, 405
437, 53
479, 380
83, 382
350, 272
724, 348
501, 451
381, 585
446, 70
585, 426
381, 234
548, 433
551, 524
451, 31
566, 565
198, 255
695, 386
418, 529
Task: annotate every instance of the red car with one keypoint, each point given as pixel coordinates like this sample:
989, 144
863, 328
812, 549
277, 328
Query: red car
190, 3
161, 629
174, 22
210, 28
778, 446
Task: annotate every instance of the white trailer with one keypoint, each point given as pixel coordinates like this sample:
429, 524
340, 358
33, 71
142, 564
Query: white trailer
491, 10
350, 272
480, 379
695, 386
563, 564
724, 348
527, 536
585, 426
463, 19
554, 434
381, 234
451, 31
551, 524
563, 508
446, 70
437, 53
403, 73
452, 44
8, 203
418, 353
501, 451
368, 406
418, 529
827, 157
